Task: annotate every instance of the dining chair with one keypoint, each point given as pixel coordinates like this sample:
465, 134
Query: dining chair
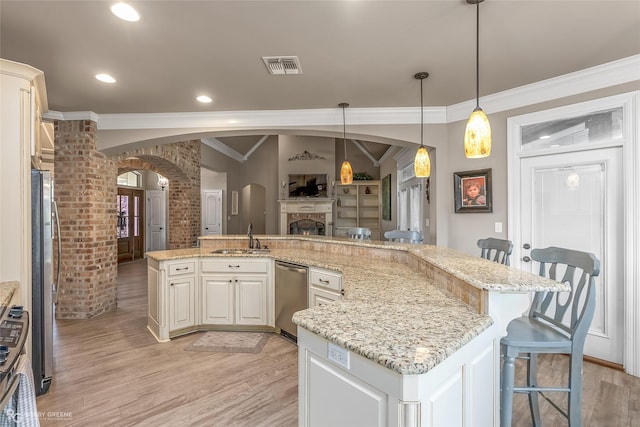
359, 233
497, 250
404, 236
556, 323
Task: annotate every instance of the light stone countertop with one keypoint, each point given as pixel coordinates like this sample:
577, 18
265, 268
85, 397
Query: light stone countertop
392, 314
7, 289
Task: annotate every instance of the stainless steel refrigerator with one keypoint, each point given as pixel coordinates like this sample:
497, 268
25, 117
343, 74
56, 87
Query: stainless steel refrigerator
43, 219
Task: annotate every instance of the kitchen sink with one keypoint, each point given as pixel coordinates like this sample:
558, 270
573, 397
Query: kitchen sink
239, 251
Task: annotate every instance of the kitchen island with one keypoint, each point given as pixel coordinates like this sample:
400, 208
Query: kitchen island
415, 339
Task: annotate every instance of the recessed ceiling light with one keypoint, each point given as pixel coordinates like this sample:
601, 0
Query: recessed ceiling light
545, 137
204, 99
125, 12
106, 78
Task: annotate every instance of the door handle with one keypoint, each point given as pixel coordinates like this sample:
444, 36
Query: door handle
526, 259
526, 246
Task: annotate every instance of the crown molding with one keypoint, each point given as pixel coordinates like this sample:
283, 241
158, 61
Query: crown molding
601, 76
610, 74
255, 119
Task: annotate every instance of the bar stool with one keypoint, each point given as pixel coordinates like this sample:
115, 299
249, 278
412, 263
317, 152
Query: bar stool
497, 250
545, 330
359, 233
404, 236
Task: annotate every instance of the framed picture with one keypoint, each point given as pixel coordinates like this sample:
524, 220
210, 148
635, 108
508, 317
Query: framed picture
472, 191
386, 198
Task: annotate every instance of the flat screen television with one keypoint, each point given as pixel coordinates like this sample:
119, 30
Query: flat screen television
307, 185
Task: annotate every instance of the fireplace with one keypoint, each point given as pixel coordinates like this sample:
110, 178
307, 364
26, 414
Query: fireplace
306, 217
308, 224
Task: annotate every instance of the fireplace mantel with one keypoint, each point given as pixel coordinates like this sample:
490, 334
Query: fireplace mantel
314, 207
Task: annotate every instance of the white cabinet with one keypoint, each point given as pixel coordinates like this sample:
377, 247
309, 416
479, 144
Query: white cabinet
236, 291
324, 286
172, 295
217, 299
22, 94
339, 387
182, 288
338, 398
251, 300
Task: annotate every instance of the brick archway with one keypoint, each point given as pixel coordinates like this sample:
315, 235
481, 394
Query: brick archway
178, 163
86, 189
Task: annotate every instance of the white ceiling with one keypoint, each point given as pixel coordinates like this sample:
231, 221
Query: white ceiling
361, 52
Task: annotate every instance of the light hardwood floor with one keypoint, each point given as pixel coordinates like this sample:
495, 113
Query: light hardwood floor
110, 371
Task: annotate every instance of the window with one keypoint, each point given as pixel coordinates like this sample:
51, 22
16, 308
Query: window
591, 127
130, 179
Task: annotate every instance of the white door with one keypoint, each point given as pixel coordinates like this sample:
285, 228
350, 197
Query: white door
574, 200
211, 212
156, 220
410, 202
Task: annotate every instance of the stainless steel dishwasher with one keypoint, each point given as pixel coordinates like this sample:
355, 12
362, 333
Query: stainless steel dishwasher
291, 295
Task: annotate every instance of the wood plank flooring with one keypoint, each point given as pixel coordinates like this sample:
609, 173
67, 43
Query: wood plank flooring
110, 371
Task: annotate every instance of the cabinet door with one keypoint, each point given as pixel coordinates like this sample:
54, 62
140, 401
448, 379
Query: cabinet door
322, 296
181, 303
334, 397
217, 300
251, 300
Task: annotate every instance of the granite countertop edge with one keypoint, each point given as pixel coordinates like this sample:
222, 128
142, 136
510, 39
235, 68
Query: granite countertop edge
477, 272
389, 314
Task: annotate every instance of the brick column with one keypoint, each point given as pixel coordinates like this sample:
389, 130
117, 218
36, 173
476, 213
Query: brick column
85, 191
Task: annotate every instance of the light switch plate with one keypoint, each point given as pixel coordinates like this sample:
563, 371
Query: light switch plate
339, 355
498, 227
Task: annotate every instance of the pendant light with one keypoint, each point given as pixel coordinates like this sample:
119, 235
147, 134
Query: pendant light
477, 135
422, 162
346, 172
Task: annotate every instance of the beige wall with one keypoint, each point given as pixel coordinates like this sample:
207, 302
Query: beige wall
464, 229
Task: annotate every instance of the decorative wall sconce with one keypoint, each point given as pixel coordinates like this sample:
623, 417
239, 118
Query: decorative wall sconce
162, 182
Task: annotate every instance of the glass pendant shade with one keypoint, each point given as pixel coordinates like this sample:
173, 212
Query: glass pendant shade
346, 173
477, 135
422, 163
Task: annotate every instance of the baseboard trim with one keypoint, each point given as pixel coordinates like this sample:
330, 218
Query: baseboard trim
605, 363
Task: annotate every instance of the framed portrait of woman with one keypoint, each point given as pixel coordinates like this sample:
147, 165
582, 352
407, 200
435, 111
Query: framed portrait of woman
472, 191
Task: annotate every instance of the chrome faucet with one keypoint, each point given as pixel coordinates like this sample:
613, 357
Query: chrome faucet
250, 235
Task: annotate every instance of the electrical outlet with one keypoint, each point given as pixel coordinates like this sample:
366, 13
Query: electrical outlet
338, 355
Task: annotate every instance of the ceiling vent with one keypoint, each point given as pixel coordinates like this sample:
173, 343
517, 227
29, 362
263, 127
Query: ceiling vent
282, 64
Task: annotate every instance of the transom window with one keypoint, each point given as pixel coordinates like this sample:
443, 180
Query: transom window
130, 179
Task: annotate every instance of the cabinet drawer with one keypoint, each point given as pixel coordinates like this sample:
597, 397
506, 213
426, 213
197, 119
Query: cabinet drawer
233, 265
178, 268
326, 279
